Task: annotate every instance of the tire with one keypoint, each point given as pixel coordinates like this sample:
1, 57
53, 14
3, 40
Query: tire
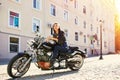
16, 64
76, 64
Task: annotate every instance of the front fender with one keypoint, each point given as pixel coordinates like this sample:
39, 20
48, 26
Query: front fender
23, 53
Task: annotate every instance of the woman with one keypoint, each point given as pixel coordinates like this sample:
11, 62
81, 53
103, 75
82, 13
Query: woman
59, 37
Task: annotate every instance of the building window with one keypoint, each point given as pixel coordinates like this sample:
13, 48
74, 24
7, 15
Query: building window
36, 25
97, 30
65, 1
14, 44
84, 24
76, 36
75, 4
17, 0
91, 27
66, 15
105, 44
53, 10
84, 9
84, 38
66, 32
14, 19
36, 4
76, 20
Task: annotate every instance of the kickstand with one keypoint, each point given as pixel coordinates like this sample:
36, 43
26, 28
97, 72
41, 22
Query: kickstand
53, 71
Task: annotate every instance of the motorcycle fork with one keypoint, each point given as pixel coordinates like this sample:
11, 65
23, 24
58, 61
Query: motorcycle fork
26, 63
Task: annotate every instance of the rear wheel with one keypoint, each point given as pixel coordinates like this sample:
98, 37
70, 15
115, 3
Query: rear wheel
15, 67
76, 63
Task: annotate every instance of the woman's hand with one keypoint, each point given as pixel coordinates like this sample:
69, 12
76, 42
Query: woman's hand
51, 38
48, 38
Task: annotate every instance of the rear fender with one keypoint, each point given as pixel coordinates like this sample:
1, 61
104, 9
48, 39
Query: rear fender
82, 53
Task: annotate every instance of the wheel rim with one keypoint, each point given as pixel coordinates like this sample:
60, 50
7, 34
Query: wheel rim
79, 62
17, 65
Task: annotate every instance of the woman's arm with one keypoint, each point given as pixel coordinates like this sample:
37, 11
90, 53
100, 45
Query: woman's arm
61, 38
52, 38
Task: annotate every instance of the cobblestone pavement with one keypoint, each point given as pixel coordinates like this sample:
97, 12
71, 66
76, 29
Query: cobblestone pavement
93, 69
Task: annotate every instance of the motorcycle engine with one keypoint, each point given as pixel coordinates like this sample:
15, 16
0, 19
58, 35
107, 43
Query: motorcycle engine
43, 60
44, 65
60, 64
63, 63
56, 64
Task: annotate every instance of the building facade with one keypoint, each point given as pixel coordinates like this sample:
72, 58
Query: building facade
79, 19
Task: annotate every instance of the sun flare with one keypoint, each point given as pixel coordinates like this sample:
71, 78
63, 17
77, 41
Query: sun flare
117, 2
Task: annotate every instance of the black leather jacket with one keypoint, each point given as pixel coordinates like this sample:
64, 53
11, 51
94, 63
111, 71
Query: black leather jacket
61, 38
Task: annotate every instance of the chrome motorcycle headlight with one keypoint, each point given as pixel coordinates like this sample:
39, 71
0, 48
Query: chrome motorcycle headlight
30, 42
39, 39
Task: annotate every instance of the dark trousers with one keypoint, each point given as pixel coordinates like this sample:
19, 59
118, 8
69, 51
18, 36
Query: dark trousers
58, 49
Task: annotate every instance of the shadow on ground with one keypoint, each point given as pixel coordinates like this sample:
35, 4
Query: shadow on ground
4, 61
45, 76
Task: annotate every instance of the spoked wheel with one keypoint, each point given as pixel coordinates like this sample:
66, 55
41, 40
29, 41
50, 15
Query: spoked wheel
76, 63
16, 67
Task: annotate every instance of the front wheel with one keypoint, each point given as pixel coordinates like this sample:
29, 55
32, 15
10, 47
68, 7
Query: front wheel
76, 63
16, 67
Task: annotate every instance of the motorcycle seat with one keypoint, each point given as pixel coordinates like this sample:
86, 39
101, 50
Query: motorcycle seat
73, 48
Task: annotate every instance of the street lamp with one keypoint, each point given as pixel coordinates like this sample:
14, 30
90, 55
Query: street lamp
101, 57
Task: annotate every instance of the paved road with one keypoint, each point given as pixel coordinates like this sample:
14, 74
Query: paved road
93, 69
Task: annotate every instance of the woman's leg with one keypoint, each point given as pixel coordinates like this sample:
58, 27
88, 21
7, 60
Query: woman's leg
58, 49
55, 52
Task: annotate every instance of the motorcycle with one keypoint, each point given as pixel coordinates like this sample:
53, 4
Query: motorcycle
40, 53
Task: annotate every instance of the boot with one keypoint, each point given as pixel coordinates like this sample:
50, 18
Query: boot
52, 63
